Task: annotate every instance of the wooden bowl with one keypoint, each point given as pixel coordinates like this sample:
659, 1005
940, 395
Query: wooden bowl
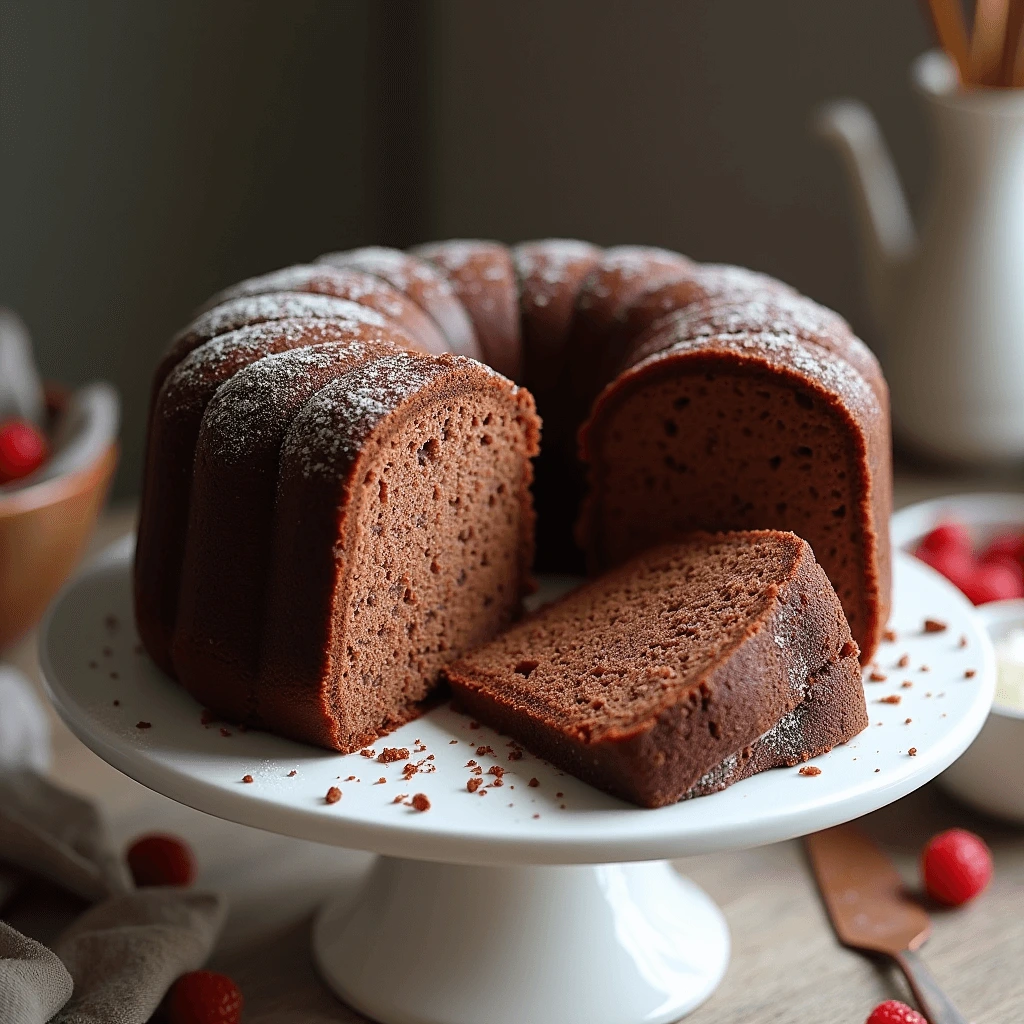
44, 529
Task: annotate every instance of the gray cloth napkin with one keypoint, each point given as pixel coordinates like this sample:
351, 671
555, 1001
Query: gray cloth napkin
114, 964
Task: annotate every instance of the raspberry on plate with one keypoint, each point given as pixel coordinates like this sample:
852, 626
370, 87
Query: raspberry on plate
946, 537
892, 1011
23, 450
204, 997
956, 866
1005, 545
161, 860
994, 580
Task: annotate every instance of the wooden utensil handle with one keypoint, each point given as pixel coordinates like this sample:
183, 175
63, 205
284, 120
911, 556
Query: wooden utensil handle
934, 1003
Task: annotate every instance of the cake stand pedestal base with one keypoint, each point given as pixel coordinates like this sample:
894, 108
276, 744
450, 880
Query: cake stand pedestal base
430, 943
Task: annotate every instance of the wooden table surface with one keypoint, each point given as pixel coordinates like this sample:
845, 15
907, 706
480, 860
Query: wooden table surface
786, 967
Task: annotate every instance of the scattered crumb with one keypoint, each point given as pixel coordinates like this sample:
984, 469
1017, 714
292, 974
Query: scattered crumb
559, 794
420, 802
225, 732
889, 636
498, 782
400, 798
93, 664
450, 742
477, 770
483, 792
481, 751
333, 795
970, 673
368, 752
878, 677
908, 721
928, 693
877, 770
206, 718
117, 703
562, 806
810, 769
536, 815
247, 778
471, 763
474, 784
292, 774
912, 752
934, 626
108, 652
515, 755
111, 622
351, 778
924, 668
380, 781
892, 698
962, 642
114, 675
474, 725
904, 661
534, 783
390, 754
906, 684
496, 769
143, 725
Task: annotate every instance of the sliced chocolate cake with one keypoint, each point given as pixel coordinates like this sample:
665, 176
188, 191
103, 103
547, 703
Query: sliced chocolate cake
682, 671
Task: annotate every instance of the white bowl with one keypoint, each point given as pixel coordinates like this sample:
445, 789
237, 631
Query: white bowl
990, 774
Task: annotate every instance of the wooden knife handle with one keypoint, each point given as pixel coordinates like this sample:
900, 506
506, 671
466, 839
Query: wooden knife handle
934, 1003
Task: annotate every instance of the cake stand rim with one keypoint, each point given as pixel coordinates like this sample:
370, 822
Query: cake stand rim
594, 844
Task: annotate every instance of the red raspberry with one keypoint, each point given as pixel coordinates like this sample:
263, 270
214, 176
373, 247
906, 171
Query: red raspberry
892, 1011
161, 860
22, 450
993, 581
958, 567
946, 537
1006, 545
204, 997
956, 866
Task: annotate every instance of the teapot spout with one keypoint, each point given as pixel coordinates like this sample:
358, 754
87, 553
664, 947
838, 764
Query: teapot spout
887, 231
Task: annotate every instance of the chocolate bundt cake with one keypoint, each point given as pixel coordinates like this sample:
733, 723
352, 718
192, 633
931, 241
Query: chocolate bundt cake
678, 673
336, 499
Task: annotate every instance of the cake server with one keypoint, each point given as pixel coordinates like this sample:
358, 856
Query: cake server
872, 912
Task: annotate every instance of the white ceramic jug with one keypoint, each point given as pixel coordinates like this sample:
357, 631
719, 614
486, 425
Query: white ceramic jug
950, 305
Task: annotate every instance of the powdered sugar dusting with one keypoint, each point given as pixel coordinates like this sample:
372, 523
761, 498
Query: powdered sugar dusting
545, 266
398, 268
249, 411
253, 309
786, 351
333, 424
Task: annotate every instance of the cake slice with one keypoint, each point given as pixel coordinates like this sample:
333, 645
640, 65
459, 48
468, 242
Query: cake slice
678, 673
401, 536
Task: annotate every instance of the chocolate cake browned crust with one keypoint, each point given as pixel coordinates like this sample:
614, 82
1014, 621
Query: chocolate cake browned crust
219, 620
174, 424
420, 281
366, 289
742, 431
484, 279
402, 537
678, 673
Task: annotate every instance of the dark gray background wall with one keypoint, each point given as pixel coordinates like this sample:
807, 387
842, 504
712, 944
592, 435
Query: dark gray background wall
150, 153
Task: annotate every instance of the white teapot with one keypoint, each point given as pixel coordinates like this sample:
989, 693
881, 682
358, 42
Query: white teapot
950, 304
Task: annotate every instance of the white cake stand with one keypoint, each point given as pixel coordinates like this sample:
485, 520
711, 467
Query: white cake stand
549, 903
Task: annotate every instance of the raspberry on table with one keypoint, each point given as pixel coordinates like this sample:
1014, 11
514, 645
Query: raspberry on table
23, 450
204, 997
956, 866
161, 860
892, 1011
